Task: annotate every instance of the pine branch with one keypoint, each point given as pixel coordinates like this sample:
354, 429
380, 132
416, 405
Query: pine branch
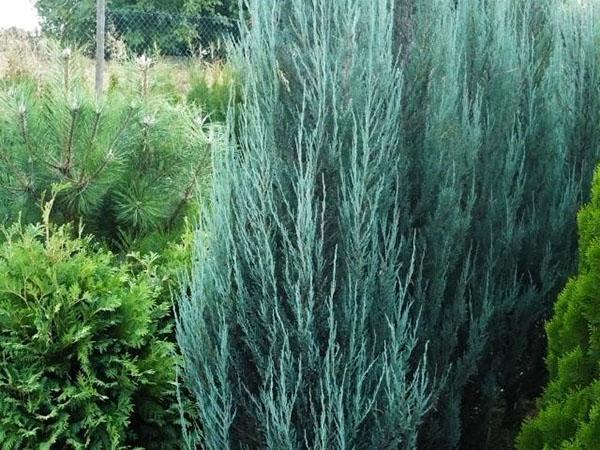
66, 164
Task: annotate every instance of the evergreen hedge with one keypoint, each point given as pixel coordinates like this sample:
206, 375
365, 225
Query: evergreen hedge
87, 360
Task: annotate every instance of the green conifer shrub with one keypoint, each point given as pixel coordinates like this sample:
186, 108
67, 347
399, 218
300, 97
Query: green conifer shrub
127, 165
86, 358
295, 322
568, 414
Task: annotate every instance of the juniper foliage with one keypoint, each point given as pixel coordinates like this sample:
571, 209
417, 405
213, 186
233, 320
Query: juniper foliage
477, 142
500, 133
295, 322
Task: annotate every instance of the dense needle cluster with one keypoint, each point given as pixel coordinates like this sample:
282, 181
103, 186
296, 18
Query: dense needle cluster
401, 185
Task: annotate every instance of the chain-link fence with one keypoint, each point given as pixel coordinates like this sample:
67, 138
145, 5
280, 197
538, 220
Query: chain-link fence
106, 32
137, 31
169, 34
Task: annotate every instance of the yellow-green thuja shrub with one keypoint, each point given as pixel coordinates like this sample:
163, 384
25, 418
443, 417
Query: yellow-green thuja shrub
86, 357
569, 410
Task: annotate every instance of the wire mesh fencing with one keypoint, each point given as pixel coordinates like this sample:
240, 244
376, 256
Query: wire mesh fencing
107, 33
169, 34
134, 31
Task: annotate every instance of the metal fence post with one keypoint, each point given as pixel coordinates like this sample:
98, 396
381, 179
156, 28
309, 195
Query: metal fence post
100, 29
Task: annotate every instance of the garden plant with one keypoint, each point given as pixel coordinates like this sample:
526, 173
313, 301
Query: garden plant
390, 159
87, 359
86, 333
349, 234
127, 165
569, 411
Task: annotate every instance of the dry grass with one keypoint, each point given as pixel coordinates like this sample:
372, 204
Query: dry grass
26, 55
21, 54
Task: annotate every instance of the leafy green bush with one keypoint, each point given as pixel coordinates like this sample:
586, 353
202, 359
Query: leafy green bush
212, 89
127, 165
86, 357
569, 411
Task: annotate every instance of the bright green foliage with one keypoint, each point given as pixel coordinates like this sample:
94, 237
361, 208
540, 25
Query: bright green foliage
295, 322
85, 357
569, 411
127, 165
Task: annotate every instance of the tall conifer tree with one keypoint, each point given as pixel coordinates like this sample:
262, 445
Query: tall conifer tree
447, 181
295, 324
500, 131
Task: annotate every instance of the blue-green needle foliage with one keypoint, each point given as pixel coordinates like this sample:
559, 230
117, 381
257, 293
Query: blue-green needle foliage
295, 323
500, 132
473, 128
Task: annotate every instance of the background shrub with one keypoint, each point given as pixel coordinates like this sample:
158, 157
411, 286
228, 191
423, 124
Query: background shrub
499, 98
86, 360
569, 411
169, 78
19, 55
